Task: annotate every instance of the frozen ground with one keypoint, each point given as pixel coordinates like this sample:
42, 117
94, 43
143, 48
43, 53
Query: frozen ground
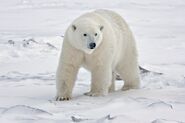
30, 42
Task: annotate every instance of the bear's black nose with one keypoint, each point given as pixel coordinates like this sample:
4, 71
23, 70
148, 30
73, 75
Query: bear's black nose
92, 45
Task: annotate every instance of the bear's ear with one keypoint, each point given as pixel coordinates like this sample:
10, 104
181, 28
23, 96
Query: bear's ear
73, 27
101, 28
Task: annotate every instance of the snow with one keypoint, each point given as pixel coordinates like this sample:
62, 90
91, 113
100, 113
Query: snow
31, 33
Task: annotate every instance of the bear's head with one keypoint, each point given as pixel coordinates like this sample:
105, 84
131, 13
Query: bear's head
86, 35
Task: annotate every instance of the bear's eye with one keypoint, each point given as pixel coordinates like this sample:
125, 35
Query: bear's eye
95, 34
85, 34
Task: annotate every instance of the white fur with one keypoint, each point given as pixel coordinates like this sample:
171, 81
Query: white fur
115, 52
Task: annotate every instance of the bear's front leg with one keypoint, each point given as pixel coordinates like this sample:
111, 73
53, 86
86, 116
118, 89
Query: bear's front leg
69, 64
66, 76
100, 81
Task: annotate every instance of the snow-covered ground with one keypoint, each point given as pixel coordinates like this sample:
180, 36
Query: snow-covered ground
30, 42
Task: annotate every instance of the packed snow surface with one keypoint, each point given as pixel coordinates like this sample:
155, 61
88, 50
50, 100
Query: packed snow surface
31, 35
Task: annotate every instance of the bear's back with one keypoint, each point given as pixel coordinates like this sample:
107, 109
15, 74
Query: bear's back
115, 19
101, 15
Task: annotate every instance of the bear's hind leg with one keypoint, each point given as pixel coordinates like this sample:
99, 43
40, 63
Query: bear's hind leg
130, 75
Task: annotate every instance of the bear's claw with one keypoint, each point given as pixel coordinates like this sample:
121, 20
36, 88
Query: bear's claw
62, 98
89, 94
94, 94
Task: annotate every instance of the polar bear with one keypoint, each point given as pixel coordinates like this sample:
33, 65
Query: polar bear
101, 42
